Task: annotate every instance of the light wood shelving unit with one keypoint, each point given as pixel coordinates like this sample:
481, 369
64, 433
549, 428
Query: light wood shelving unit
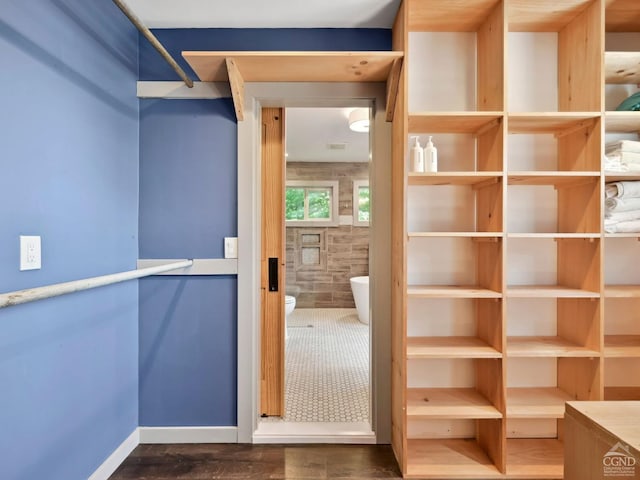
509, 298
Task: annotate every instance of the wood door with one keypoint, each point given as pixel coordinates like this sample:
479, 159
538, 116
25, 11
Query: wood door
272, 264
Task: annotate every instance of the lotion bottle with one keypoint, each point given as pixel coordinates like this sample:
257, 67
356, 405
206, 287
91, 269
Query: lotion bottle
417, 156
430, 157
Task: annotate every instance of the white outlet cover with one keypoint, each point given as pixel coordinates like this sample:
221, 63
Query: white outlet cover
30, 252
230, 247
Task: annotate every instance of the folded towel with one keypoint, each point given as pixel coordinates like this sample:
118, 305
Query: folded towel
624, 145
632, 226
621, 204
627, 189
622, 216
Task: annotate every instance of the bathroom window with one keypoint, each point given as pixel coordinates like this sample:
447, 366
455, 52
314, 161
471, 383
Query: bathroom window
361, 203
310, 203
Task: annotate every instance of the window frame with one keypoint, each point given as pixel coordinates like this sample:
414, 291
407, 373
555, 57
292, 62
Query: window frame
356, 203
332, 185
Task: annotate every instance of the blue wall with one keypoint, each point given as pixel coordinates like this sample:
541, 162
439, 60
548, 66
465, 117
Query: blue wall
69, 143
188, 203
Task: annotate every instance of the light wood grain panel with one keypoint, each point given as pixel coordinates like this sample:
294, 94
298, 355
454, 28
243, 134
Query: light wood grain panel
552, 178
536, 402
622, 67
491, 146
489, 325
273, 245
621, 393
453, 178
543, 15
452, 122
492, 439
534, 346
579, 263
535, 458
579, 321
449, 347
622, 16
490, 381
449, 15
549, 291
579, 150
622, 122
295, 66
457, 458
581, 377
451, 291
622, 291
236, 83
398, 250
491, 40
580, 53
489, 212
625, 346
449, 403
489, 265
550, 122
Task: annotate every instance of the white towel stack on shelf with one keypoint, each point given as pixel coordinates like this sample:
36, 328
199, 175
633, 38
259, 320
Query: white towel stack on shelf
622, 156
622, 207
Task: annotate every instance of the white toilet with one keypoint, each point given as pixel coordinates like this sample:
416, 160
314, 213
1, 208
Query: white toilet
289, 305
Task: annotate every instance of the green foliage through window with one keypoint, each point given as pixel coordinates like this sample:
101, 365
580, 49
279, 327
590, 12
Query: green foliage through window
364, 204
307, 203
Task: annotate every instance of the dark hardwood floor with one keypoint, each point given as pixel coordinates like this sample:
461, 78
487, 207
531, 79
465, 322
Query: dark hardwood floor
252, 462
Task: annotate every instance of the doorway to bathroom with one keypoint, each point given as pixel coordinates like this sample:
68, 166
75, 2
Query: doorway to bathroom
326, 202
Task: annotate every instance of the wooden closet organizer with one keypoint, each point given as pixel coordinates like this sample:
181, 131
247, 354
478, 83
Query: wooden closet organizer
508, 297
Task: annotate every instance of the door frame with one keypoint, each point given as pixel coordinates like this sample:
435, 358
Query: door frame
257, 96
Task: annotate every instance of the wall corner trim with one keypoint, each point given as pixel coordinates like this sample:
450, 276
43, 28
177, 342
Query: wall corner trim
119, 455
159, 435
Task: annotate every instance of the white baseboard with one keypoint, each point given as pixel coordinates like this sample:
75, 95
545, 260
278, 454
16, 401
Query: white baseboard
188, 434
310, 432
118, 456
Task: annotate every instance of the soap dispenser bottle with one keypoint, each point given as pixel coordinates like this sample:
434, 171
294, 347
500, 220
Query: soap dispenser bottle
417, 156
430, 157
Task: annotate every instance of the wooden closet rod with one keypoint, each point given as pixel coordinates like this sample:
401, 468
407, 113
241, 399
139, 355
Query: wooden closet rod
57, 289
154, 41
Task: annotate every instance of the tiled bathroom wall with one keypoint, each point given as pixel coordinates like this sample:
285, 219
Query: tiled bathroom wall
342, 251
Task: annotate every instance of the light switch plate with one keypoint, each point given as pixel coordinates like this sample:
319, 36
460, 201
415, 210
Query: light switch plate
230, 247
30, 252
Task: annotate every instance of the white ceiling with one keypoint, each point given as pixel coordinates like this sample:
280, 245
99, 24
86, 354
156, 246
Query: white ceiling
265, 14
310, 132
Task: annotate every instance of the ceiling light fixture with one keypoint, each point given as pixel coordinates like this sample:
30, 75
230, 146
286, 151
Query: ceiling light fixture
359, 120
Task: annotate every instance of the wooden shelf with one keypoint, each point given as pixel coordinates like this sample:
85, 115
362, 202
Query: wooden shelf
448, 16
534, 458
622, 291
622, 122
484, 235
449, 403
551, 178
453, 122
449, 347
620, 177
295, 66
553, 235
543, 15
450, 291
621, 346
449, 458
622, 393
622, 235
557, 123
546, 347
548, 291
536, 402
622, 16
455, 178
622, 67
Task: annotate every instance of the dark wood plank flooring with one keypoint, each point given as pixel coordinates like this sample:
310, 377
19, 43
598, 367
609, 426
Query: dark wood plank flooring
253, 462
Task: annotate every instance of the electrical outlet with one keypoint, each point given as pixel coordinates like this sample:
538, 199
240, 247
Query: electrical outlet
230, 247
30, 252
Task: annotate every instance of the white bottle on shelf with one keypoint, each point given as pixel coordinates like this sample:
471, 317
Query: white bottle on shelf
430, 157
417, 156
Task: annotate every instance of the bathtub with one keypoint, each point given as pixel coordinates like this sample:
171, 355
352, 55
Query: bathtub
360, 289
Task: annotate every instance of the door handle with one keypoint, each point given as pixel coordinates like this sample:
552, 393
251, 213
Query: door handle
273, 274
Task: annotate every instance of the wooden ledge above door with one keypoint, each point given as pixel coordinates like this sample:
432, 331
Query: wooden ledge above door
240, 67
